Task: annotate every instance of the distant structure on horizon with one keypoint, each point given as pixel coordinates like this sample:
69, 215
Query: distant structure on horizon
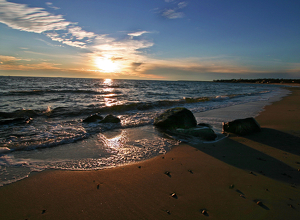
260, 81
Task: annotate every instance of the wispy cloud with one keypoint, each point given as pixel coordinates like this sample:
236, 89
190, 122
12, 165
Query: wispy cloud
38, 20
182, 4
138, 33
24, 18
198, 66
172, 14
50, 5
14, 63
175, 11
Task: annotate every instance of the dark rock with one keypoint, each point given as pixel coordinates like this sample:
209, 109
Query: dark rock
174, 195
205, 133
176, 118
204, 212
204, 125
110, 119
93, 118
259, 203
182, 122
242, 126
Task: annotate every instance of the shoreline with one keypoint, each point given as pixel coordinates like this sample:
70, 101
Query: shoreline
226, 178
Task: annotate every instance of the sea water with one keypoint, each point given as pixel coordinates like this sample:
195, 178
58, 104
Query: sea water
41, 119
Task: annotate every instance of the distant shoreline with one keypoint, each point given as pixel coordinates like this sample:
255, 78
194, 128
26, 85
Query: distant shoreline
260, 81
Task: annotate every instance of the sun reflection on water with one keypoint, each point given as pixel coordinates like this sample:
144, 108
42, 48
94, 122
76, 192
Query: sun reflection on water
114, 142
108, 82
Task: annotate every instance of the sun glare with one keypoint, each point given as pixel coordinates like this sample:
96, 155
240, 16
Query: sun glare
106, 64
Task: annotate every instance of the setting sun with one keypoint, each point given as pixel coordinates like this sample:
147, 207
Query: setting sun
106, 64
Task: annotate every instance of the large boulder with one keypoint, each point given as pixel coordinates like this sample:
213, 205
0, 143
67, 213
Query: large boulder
241, 126
110, 119
182, 122
176, 118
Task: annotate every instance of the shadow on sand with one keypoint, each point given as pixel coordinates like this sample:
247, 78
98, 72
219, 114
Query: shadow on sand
277, 139
255, 161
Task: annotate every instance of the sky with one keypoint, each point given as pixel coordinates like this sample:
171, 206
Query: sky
154, 40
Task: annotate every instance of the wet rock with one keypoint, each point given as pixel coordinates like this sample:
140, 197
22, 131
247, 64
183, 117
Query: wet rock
176, 118
241, 126
110, 119
182, 122
93, 118
205, 133
204, 125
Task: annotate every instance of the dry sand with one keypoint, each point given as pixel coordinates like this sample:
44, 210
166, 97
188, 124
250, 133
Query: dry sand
226, 178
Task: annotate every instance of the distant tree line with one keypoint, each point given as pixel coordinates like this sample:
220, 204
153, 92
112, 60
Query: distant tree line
263, 81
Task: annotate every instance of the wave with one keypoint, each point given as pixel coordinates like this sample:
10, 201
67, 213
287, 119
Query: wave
68, 91
118, 108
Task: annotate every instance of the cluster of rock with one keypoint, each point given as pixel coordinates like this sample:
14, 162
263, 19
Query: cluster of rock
181, 121
98, 118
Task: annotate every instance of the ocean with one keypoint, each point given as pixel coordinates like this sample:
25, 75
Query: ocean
41, 119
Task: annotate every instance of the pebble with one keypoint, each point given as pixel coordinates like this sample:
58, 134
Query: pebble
259, 203
204, 212
174, 195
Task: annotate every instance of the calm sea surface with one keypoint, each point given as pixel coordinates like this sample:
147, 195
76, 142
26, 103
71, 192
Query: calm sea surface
41, 119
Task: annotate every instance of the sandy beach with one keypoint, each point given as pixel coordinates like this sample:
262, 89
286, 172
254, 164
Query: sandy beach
252, 177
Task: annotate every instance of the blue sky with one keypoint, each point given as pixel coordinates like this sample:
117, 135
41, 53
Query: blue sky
157, 39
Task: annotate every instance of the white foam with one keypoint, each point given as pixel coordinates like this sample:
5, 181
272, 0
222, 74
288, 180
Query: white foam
215, 117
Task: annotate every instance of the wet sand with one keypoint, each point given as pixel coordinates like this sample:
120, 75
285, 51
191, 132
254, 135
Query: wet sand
251, 177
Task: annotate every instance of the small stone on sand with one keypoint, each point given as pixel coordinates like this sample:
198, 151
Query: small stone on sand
204, 212
174, 195
259, 203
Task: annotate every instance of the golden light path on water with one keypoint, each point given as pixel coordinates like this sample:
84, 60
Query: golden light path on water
110, 93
